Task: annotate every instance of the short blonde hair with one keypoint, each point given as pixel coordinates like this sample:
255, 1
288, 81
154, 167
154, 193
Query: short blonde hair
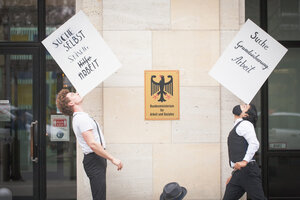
62, 103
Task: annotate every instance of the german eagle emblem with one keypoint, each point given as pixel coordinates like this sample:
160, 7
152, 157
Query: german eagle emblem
161, 88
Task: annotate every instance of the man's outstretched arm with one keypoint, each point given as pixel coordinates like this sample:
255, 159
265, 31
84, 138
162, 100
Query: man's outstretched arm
99, 150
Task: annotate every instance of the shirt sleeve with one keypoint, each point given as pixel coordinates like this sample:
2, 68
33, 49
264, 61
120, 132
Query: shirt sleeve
84, 123
246, 130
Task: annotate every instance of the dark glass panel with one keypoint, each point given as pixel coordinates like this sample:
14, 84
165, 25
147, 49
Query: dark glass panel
284, 19
16, 114
57, 13
252, 11
61, 153
283, 170
18, 20
284, 107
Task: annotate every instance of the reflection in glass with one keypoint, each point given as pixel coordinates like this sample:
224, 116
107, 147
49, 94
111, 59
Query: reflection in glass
57, 13
284, 107
15, 118
61, 155
284, 19
18, 20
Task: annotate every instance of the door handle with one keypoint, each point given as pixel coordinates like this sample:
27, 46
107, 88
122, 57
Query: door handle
32, 142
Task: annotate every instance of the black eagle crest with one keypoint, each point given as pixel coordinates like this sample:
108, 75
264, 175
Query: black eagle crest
162, 87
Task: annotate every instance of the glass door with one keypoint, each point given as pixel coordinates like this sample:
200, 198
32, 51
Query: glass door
279, 110
29, 82
284, 128
18, 134
60, 139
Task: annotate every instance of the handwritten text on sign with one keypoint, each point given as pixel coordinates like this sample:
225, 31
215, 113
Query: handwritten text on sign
81, 53
248, 61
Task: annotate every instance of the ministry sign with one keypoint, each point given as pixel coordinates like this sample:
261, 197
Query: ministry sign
81, 53
248, 61
162, 95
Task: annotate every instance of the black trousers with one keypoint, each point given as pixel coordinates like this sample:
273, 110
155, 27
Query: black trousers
248, 179
95, 169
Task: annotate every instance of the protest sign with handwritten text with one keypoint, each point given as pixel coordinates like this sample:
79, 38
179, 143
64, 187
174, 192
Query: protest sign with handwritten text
81, 53
248, 61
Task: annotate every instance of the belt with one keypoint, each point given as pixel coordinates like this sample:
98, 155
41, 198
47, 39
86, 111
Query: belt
89, 153
252, 162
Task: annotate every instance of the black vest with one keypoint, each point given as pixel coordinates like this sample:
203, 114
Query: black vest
237, 145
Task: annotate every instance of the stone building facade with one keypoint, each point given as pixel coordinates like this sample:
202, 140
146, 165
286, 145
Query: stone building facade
188, 36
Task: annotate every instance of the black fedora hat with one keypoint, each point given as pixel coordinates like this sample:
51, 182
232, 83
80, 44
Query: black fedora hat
173, 191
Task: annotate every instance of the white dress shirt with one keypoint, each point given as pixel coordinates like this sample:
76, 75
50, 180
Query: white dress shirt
246, 130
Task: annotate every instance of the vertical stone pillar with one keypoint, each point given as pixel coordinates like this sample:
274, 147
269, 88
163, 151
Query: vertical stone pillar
93, 102
232, 16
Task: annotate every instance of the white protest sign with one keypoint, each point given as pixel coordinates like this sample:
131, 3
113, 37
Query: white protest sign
248, 61
81, 53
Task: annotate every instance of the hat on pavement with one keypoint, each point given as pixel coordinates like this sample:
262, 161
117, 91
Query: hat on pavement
173, 191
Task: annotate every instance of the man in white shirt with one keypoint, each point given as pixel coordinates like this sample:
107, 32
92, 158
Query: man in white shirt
242, 145
91, 140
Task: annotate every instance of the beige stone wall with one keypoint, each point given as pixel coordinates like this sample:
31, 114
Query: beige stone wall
163, 34
232, 16
93, 102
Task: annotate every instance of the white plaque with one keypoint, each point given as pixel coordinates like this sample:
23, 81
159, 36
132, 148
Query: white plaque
5, 113
60, 128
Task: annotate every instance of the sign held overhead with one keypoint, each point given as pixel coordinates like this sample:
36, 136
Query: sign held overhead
248, 61
81, 53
